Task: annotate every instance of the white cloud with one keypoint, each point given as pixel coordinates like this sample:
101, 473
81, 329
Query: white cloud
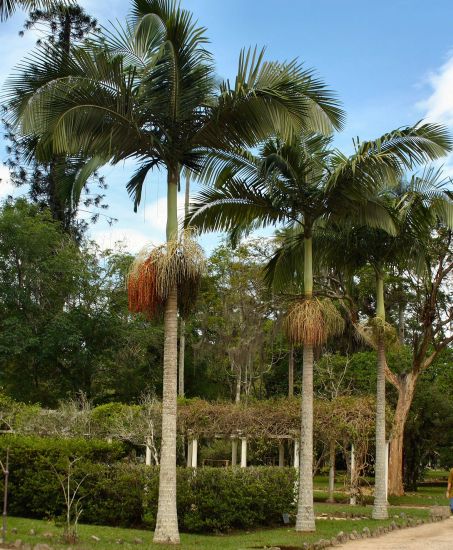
156, 213
438, 107
131, 239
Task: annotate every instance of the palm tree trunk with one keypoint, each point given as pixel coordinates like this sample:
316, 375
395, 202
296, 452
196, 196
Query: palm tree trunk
182, 352
330, 496
380, 490
182, 325
305, 519
166, 531
291, 372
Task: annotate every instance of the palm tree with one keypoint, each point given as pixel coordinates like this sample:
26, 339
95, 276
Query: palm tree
300, 183
8, 7
148, 91
417, 208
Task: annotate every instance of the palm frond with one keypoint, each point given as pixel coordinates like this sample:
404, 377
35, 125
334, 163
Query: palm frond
8, 7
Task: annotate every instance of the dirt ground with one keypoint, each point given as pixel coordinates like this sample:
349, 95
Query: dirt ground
432, 536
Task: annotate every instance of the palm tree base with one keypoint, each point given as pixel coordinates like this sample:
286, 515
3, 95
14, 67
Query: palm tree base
305, 520
380, 511
164, 538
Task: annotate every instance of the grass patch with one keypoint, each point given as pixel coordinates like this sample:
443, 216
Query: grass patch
113, 537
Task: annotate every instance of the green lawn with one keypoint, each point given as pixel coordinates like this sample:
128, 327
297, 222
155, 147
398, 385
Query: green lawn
283, 536
427, 495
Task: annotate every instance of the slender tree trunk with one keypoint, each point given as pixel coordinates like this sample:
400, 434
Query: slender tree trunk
406, 389
380, 489
182, 326
330, 497
305, 519
291, 372
237, 397
166, 531
401, 308
182, 348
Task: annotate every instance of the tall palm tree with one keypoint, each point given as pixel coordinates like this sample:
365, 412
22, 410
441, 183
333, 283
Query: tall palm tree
148, 91
417, 207
299, 183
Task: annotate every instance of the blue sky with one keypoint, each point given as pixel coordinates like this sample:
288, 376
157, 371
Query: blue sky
391, 63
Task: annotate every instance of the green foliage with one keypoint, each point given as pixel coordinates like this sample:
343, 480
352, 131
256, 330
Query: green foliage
34, 489
125, 494
64, 325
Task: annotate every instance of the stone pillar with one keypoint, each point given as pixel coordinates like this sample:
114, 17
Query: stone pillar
148, 452
234, 452
281, 453
353, 498
387, 443
243, 452
194, 453
296, 453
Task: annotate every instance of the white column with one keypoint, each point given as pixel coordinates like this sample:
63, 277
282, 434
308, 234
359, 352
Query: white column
194, 453
189, 453
296, 453
243, 452
234, 452
281, 453
352, 498
148, 452
386, 469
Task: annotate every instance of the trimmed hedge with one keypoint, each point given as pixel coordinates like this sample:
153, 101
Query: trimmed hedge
124, 494
34, 490
218, 499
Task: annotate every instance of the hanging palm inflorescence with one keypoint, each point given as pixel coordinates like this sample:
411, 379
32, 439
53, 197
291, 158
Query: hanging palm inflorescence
156, 270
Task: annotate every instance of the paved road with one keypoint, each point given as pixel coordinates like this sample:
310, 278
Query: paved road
432, 536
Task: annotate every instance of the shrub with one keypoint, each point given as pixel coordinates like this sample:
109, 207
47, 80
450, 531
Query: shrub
34, 490
117, 492
218, 499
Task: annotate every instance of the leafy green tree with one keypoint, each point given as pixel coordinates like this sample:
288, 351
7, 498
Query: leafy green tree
236, 320
149, 92
38, 271
301, 183
64, 322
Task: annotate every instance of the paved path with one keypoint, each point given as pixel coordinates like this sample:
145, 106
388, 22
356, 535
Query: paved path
432, 536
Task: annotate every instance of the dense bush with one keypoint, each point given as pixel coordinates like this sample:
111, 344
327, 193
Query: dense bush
121, 493
34, 490
211, 499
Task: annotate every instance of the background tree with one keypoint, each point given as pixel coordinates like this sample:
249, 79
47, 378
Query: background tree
49, 176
